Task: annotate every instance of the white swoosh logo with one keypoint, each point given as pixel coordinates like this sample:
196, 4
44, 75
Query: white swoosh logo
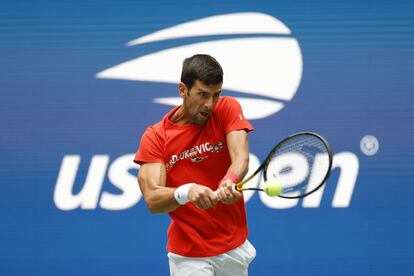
234, 23
270, 67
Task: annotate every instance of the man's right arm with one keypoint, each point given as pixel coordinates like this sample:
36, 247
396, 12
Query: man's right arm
152, 180
160, 199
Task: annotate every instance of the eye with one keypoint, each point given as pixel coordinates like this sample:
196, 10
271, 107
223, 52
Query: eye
203, 94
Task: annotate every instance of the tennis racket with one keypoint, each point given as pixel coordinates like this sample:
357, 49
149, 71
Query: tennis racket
296, 167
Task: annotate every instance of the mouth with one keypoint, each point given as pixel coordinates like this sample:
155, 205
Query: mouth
204, 114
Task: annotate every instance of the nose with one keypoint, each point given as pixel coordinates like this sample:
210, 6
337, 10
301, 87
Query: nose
209, 103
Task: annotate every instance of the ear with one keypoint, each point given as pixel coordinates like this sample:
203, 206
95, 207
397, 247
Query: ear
182, 89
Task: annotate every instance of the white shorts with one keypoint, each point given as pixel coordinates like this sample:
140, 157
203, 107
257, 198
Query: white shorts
233, 262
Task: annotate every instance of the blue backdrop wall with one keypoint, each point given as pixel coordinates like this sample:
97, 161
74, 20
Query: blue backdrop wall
78, 90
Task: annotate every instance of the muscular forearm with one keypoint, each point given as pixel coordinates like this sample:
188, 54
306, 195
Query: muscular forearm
239, 153
152, 182
236, 172
161, 200
239, 167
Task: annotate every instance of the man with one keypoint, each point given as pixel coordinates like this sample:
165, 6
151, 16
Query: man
190, 162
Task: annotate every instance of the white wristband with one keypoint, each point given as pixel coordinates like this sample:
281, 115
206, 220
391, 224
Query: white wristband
181, 193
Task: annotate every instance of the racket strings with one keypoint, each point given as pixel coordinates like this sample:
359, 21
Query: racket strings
307, 147
293, 163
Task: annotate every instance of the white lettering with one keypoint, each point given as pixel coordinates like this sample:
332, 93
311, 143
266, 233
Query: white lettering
120, 177
199, 148
174, 158
87, 198
320, 164
209, 147
297, 173
349, 164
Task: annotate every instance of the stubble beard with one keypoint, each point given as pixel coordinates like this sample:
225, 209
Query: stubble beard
197, 121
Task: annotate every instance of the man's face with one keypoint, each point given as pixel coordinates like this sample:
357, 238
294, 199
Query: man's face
200, 101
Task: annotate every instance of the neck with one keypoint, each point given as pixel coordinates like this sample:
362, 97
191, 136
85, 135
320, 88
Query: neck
180, 117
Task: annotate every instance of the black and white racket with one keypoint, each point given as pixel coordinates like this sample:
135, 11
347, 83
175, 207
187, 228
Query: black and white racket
296, 167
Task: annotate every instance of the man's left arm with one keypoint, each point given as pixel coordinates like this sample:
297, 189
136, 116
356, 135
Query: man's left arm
238, 145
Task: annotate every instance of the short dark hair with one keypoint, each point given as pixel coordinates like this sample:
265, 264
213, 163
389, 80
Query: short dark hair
200, 67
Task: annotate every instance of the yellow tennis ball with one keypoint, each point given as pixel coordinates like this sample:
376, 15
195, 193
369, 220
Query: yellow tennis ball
272, 188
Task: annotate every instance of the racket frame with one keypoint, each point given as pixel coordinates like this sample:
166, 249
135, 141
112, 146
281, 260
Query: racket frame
263, 166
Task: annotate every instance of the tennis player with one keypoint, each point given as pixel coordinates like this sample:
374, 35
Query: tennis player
190, 161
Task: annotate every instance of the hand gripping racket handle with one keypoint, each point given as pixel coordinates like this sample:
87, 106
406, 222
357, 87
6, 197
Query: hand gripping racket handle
235, 188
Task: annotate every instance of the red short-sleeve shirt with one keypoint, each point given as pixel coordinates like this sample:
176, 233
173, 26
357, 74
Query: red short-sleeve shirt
199, 154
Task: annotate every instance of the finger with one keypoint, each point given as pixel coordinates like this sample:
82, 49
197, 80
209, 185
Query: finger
200, 203
213, 196
226, 199
226, 195
221, 193
217, 195
225, 183
233, 196
234, 192
208, 200
227, 191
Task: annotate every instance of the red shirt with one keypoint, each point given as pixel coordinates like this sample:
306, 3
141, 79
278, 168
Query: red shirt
199, 154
